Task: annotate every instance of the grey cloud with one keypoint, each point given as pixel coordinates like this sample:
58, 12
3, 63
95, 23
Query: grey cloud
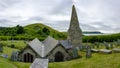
62, 8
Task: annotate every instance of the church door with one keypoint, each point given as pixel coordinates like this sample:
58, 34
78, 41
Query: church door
28, 57
59, 57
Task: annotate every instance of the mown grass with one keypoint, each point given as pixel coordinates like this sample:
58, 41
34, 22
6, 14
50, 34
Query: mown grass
18, 44
97, 60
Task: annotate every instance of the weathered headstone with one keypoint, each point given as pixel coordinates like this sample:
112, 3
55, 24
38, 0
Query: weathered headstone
4, 55
96, 44
39, 63
14, 56
111, 45
75, 53
88, 51
95, 50
104, 51
116, 50
80, 48
106, 45
92, 46
118, 42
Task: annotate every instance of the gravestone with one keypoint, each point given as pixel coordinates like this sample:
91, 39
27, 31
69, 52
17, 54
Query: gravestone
94, 50
39, 63
111, 45
4, 55
80, 48
1, 47
92, 46
115, 43
75, 53
105, 51
116, 50
96, 44
14, 56
88, 51
118, 42
106, 45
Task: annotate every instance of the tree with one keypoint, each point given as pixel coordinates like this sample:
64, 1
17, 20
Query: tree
20, 29
46, 31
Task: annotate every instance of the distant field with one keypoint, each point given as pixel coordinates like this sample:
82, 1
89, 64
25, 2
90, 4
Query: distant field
18, 44
96, 61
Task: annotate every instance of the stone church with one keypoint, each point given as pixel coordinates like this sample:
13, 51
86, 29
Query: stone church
52, 49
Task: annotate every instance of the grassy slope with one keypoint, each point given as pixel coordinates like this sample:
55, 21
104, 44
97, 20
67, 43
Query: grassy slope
33, 28
36, 30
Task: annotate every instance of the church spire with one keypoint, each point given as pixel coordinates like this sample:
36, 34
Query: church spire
74, 31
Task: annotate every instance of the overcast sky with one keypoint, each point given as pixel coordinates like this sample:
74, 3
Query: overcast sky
95, 15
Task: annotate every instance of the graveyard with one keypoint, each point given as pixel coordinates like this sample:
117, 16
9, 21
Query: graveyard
96, 60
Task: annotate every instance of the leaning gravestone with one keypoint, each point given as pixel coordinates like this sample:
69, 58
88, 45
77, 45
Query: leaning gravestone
88, 51
14, 56
111, 45
106, 45
39, 63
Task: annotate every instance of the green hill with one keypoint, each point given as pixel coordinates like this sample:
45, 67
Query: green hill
31, 31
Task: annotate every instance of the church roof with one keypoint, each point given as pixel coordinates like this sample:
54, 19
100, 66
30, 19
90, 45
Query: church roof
36, 45
49, 43
43, 48
39, 63
66, 44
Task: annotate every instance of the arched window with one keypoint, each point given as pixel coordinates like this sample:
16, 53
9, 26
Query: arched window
59, 57
28, 57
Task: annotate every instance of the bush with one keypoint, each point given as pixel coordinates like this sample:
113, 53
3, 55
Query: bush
12, 46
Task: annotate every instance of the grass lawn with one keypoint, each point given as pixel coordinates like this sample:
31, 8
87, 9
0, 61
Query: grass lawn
18, 44
96, 61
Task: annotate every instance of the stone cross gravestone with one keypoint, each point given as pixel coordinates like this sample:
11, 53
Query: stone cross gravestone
88, 51
39, 63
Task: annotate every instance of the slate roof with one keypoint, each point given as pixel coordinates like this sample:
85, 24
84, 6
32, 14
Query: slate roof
39, 63
36, 45
49, 43
43, 48
66, 44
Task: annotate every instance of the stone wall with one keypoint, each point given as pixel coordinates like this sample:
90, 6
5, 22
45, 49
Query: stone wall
51, 56
27, 50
